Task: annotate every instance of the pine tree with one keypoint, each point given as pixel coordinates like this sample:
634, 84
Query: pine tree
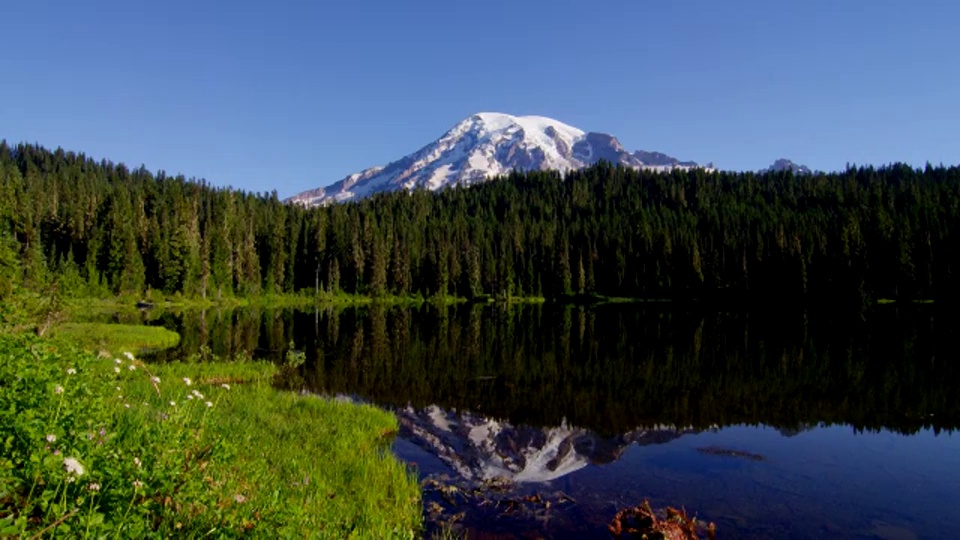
9, 266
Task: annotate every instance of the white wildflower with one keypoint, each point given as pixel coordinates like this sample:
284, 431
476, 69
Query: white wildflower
126, 405
58, 389
94, 486
225, 386
51, 438
116, 369
189, 396
173, 403
73, 466
137, 484
239, 498
117, 361
155, 380
129, 356
187, 381
137, 462
209, 404
71, 371
197, 395
118, 389
132, 367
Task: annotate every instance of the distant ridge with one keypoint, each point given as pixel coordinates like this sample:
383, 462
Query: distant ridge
783, 164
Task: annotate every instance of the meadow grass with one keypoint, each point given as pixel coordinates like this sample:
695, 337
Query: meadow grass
83, 307
887, 301
80, 306
136, 338
108, 446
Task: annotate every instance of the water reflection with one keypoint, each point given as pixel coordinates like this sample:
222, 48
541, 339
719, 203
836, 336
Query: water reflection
755, 482
483, 449
574, 400
612, 369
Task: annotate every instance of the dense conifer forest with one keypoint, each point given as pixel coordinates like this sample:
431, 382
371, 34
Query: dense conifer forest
97, 228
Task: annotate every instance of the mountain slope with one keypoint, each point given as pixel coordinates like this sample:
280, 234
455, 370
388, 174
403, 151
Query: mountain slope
486, 145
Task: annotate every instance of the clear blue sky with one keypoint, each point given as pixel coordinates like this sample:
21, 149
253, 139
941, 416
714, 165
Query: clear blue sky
293, 95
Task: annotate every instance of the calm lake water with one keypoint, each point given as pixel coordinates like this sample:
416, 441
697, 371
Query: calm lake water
791, 424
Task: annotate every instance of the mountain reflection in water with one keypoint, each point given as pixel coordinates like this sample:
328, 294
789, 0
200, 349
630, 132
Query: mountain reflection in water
484, 449
841, 414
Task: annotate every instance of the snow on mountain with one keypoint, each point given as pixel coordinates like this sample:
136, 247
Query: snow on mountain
787, 165
482, 449
487, 145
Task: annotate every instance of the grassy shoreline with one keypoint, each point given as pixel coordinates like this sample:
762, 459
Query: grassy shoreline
104, 444
265, 300
96, 337
131, 303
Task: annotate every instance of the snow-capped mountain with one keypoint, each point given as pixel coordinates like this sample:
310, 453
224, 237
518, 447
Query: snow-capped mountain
787, 165
487, 145
482, 449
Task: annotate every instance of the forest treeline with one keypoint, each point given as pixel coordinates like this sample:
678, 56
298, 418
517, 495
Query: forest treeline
98, 228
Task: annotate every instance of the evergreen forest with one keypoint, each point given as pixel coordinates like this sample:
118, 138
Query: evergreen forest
97, 228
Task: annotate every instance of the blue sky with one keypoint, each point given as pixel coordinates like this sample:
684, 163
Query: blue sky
293, 95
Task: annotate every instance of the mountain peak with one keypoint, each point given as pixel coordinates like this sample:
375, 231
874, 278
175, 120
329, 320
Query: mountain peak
494, 121
486, 145
784, 164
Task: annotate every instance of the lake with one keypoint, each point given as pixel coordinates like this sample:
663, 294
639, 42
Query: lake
773, 424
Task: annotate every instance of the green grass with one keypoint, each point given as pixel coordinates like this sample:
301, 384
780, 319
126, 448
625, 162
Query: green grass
187, 449
328, 461
83, 308
136, 338
526, 300
888, 301
87, 308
